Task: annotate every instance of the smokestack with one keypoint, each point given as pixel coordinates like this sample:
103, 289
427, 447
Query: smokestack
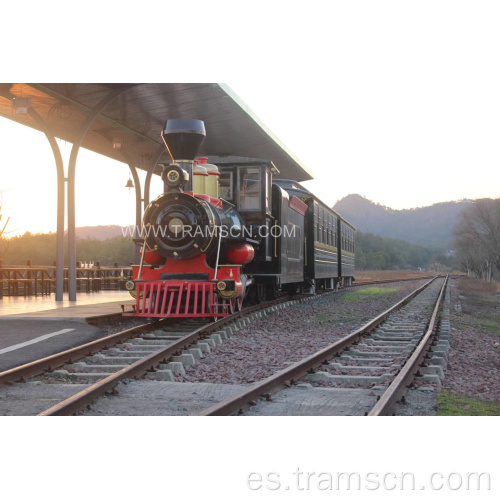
183, 138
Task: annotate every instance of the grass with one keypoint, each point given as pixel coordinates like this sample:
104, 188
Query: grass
357, 295
374, 290
493, 326
453, 404
322, 317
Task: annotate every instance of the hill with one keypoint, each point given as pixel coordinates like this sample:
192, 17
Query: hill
98, 232
430, 226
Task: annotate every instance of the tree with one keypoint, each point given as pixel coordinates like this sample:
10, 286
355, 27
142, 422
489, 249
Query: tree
477, 237
4, 243
2, 229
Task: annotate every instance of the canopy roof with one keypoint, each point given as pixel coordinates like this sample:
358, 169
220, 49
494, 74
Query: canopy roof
129, 127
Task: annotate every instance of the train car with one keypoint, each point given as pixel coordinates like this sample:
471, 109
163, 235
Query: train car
218, 235
329, 242
346, 251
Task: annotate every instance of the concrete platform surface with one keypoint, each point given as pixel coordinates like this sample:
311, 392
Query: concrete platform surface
32, 398
87, 304
153, 397
23, 341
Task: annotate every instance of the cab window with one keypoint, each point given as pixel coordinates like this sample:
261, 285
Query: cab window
226, 185
250, 189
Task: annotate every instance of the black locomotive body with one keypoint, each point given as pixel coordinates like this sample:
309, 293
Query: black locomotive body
266, 236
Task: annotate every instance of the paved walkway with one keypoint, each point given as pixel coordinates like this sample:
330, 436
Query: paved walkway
35, 327
91, 304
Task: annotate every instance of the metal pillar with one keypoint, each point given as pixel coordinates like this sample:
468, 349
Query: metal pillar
71, 187
138, 209
149, 175
60, 196
60, 203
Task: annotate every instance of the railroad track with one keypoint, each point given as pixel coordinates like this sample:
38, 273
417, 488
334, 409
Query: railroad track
155, 350
159, 348
113, 318
384, 355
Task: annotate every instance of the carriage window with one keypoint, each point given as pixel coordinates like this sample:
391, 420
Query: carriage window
268, 191
250, 189
226, 185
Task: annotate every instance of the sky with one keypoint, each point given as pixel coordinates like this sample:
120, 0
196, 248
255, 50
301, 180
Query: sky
396, 101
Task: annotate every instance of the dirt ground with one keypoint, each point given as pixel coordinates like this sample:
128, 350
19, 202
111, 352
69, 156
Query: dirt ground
388, 275
474, 358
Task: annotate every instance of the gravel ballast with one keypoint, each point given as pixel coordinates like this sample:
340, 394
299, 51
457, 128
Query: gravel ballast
272, 343
474, 357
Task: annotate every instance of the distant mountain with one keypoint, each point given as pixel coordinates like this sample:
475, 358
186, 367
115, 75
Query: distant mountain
98, 232
428, 226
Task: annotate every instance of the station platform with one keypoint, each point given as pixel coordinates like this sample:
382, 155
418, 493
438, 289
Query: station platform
35, 327
87, 305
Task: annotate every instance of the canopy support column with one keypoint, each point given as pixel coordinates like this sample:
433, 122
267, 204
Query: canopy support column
60, 195
71, 187
138, 210
60, 203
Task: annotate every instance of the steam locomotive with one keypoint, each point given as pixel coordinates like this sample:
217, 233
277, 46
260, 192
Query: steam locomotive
219, 235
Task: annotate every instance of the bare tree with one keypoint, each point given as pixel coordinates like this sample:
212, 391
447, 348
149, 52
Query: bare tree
477, 237
2, 229
4, 243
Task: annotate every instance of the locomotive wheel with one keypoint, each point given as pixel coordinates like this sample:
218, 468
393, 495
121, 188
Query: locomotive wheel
215, 306
238, 304
223, 306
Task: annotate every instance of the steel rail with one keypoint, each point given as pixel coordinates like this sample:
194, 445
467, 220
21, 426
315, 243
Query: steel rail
105, 319
411, 367
54, 361
49, 363
294, 372
395, 280
148, 363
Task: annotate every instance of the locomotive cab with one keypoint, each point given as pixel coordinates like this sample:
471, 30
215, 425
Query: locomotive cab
248, 186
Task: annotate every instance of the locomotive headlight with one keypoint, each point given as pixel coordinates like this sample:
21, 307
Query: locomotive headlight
174, 176
129, 285
175, 225
227, 289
